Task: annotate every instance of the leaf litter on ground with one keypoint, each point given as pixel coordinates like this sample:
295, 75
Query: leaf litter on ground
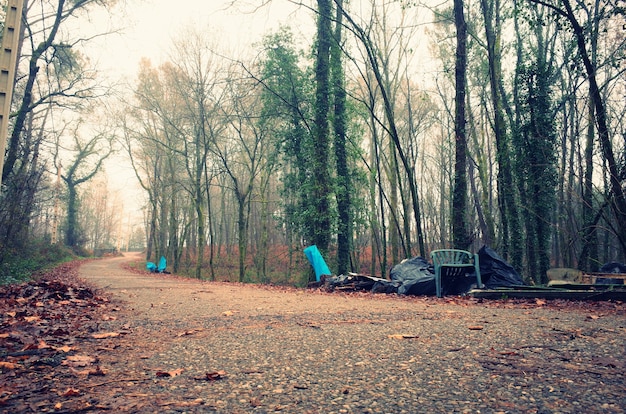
46, 329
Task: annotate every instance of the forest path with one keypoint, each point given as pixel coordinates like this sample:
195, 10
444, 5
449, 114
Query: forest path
227, 347
168, 297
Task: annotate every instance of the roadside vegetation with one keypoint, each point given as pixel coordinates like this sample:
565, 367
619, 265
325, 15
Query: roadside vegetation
19, 265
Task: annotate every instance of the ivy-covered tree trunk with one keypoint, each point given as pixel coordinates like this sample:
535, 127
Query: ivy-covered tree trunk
460, 235
537, 147
512, 240
344, 225
88, 153
588, 259
71, 226
321, 176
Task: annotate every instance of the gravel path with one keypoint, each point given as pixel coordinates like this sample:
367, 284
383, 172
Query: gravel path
190, 346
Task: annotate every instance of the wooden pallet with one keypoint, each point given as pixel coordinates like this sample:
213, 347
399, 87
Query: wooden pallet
572, 291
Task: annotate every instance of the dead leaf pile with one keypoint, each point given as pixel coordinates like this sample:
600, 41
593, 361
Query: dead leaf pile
44, 325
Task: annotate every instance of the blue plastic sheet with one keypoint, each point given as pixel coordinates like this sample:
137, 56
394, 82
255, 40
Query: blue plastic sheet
162, 265
317, 261
152, 267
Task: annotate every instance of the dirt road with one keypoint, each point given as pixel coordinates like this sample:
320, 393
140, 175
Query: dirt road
191, 346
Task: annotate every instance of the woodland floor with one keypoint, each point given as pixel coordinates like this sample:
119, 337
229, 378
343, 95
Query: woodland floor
98, 337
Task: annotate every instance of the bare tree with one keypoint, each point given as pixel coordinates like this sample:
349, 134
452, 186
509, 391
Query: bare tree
52, 75
244, 152
88, 156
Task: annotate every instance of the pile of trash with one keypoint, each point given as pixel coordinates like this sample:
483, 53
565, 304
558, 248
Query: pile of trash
416, 276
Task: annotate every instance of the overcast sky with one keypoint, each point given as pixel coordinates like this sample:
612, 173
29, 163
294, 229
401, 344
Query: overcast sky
147, 28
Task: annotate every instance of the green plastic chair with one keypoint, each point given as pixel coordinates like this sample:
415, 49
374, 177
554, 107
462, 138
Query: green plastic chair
455, 262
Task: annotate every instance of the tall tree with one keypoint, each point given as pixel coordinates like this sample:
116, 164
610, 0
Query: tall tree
344, 213
87, 162
376, 65
534, 137
460, 235
243, 153
287, 103
321, 151
537, 146
507, 194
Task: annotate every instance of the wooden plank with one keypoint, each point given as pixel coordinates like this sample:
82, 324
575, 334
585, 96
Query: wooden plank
611, 293
591, 277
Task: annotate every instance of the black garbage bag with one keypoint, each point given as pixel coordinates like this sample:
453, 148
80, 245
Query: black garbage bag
611, 267
415, 276
386, 286
495, 272
356, 282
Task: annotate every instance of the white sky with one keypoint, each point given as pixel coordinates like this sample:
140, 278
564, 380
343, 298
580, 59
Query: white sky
148, 27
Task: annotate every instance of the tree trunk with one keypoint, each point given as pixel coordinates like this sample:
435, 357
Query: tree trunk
511, 228
321, 175
460, 236
344, 213
242, 233
71, 230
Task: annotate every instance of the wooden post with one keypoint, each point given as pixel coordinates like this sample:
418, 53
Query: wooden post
8, 66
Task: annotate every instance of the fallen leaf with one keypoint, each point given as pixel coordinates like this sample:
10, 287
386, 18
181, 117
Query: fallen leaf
7, 365
41, 345
228, 313
98, 372
82, 373
540, 302
173, 373
105, 335
189, 332
402, 336
211, 376
71, 392
79, 360
32, 318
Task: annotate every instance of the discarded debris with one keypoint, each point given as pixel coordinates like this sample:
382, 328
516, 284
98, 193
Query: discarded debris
211, 376
402, 336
